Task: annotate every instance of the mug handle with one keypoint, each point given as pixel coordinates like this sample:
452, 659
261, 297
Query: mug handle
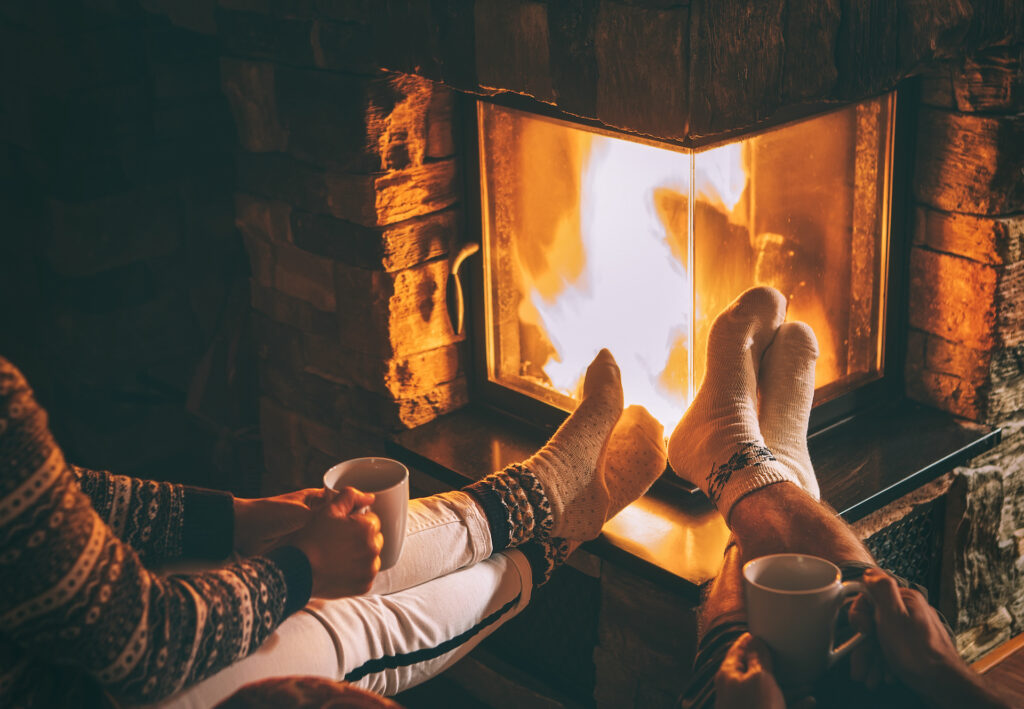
848, 589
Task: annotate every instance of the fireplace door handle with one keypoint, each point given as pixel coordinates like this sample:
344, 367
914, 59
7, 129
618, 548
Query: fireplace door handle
454, 299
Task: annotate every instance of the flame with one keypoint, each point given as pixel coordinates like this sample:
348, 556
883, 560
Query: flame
633, 293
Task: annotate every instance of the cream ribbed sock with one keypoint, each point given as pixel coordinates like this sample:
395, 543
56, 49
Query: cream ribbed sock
786, 383
718, 444
567, 466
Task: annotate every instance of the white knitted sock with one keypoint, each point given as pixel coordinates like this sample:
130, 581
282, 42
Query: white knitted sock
718, 444
786, 382
567, 466
633, 459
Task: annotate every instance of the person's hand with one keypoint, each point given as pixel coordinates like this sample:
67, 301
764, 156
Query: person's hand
342, 542
915, 644
262, 523
745, 679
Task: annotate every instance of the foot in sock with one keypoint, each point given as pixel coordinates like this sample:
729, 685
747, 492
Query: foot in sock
718, 444
558, 492
569, 489
786, 383
633, 459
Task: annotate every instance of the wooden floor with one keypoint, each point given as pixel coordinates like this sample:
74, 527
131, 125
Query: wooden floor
1004, 668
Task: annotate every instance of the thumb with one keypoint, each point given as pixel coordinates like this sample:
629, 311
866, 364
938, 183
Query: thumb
350, 498
884, 593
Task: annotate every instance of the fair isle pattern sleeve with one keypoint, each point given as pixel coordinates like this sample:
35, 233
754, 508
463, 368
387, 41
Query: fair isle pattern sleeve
146, 515
73, 594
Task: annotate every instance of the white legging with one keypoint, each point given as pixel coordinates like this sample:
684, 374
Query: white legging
445, 595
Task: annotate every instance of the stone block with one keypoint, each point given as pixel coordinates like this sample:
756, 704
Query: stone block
642, 64
932, 30
512, 47
370, 200
259, 35
394, 313
265, 219
355, 124
90, 237
635, 612
991, 82
990, 240
809, 66
571, 26
405, 376
937, 86
344, 46
292, 271
970, 163
441, 123
953, 297
983, 573
250, 89
392, 248
867, 47
1006, 385
945, 392
349, 10
292, 311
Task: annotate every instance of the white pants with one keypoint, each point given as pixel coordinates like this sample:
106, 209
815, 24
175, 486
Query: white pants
445, 595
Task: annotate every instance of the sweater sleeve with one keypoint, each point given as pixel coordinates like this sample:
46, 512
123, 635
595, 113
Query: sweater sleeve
160, 520
72, 592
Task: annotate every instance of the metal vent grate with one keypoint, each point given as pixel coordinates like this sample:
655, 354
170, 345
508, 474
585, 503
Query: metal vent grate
912, 547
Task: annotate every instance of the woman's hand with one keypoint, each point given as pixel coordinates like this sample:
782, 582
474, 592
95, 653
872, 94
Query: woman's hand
342, 542
262, 523
745, 679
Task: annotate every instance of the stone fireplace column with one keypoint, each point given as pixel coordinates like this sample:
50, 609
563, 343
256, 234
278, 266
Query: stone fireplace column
966, 343
346, 194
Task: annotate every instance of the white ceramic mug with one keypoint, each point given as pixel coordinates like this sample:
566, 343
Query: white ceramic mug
388, 480
793, 601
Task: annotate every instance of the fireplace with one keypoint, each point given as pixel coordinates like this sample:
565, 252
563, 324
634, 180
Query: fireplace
356, 186
595, 238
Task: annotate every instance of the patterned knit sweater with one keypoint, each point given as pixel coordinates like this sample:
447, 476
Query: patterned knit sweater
78, 607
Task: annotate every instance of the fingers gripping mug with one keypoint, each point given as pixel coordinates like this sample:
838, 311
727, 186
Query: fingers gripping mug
388, 480
793, 601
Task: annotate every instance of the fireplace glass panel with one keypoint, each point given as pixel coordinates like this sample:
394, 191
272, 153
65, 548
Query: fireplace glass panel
596, 239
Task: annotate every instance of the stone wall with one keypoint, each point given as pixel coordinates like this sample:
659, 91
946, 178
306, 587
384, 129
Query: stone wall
710, 66
966, 344
347, 196
122, 278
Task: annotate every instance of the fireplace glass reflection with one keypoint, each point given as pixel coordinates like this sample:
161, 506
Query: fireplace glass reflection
596, 239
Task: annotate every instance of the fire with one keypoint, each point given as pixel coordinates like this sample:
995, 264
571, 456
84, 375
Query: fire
633, 292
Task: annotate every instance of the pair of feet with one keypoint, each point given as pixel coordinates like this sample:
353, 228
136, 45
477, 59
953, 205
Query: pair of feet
746, 428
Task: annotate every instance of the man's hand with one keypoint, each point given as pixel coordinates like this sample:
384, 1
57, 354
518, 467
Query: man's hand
342, 543
262, 523
745, 680
915, 644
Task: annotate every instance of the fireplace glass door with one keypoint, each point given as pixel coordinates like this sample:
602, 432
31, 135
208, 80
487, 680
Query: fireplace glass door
597, 239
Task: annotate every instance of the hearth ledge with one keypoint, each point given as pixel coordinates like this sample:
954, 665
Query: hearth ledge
675, 538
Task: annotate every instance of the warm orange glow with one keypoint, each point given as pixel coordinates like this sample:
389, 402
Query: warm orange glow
633, 293
595, 240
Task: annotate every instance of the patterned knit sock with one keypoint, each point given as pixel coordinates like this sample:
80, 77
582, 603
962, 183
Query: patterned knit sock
633, 459
546, 555
718, 444
786, 381
559, 491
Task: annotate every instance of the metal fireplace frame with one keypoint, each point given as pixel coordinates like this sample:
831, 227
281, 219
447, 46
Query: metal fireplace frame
888, 389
